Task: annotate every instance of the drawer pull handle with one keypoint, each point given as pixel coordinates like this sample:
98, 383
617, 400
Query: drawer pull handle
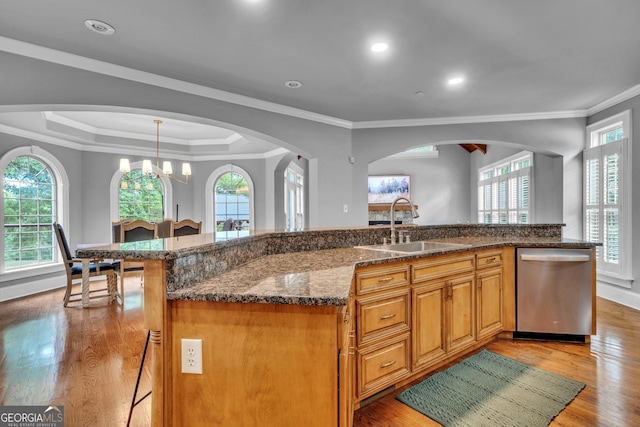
490, 260
386, 365
385, 279
387, 316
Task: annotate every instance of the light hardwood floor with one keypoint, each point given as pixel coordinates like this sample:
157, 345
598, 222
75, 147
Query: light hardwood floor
87, 360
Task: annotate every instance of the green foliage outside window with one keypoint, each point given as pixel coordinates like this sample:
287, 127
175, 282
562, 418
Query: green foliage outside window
29, 213
232, 183
143, 201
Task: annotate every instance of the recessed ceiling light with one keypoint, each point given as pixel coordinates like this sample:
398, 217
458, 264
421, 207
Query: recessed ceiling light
379, 47
99, 27
293, 84
454, 81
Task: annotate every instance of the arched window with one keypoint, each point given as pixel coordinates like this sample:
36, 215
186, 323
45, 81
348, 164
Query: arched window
232, 202
32, 201
229, 200
141, 197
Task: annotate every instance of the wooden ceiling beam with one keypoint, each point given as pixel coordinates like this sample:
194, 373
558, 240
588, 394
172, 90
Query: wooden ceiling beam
473, 147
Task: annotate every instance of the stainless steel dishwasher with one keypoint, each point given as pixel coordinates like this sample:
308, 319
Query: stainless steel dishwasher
554, 291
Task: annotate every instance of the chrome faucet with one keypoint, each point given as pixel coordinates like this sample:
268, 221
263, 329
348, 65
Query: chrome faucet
414, 214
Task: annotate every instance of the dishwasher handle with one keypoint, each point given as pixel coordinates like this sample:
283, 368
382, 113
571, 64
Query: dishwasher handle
556, 257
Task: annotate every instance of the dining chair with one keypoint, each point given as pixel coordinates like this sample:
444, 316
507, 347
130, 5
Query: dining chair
135, 231
116, 229
163, 228
185, 227
74, 271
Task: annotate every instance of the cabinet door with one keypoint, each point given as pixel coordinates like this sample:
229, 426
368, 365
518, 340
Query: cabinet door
428, 321
461, 312
490, 300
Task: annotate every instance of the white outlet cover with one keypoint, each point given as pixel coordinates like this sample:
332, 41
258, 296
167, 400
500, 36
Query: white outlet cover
191, 356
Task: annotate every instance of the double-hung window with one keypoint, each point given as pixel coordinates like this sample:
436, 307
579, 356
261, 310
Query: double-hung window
35, 194
607, 190
505, 189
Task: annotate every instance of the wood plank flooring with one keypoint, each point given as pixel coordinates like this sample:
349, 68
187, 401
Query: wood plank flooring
87, 360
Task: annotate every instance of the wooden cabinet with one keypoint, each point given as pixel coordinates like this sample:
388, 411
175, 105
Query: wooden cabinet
382, 315
461, 322
443, 308
417, 315
381, 365
429, 319
489, 294
383, 323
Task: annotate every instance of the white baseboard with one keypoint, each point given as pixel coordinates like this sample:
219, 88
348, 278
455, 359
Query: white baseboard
617, 294
30, 287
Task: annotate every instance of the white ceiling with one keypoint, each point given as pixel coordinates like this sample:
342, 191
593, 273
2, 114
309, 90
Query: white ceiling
518, 56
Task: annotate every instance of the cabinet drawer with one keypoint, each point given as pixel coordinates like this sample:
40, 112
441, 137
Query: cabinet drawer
376, 279
383, 315
380, 366
441, 267
489, 259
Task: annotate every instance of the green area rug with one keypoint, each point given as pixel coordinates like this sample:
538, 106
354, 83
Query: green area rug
491, 390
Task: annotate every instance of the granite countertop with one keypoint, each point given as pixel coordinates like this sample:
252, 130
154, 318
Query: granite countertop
323, 277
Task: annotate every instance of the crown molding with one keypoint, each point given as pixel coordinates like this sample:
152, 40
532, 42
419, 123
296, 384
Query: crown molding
100, 67
627, 94
469, 119
128, 151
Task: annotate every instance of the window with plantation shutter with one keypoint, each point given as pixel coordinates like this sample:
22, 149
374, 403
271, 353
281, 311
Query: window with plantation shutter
504, 193
606, 193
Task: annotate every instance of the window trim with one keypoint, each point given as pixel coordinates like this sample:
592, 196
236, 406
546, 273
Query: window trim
114, 186
209, 221
62, 208
408, 154
624, 277
298, 189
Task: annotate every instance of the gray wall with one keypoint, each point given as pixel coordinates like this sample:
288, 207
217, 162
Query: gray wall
439, 186
557, 137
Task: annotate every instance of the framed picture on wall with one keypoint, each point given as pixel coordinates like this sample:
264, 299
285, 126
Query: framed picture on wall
385, 188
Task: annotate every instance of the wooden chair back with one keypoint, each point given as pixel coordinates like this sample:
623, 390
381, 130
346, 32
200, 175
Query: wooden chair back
185, 227
137, 230
164, 228
116, 229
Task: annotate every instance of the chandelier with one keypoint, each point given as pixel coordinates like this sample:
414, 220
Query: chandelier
147, 167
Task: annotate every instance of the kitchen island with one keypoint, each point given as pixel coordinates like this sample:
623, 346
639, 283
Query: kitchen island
281, 316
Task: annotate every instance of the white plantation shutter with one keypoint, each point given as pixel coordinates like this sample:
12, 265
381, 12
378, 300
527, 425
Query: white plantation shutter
505, 198
603, 214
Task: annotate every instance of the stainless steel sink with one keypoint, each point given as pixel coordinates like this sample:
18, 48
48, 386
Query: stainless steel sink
423, 246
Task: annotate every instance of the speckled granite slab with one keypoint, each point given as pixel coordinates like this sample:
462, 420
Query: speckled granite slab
304, 267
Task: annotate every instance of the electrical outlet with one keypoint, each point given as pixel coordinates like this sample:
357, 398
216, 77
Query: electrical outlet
191, 356
346, 208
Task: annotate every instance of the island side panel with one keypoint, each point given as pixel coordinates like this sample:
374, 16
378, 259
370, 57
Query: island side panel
155, 311
263, 364
509, 287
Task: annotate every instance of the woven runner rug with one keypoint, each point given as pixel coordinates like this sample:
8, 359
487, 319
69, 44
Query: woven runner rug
491, 390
